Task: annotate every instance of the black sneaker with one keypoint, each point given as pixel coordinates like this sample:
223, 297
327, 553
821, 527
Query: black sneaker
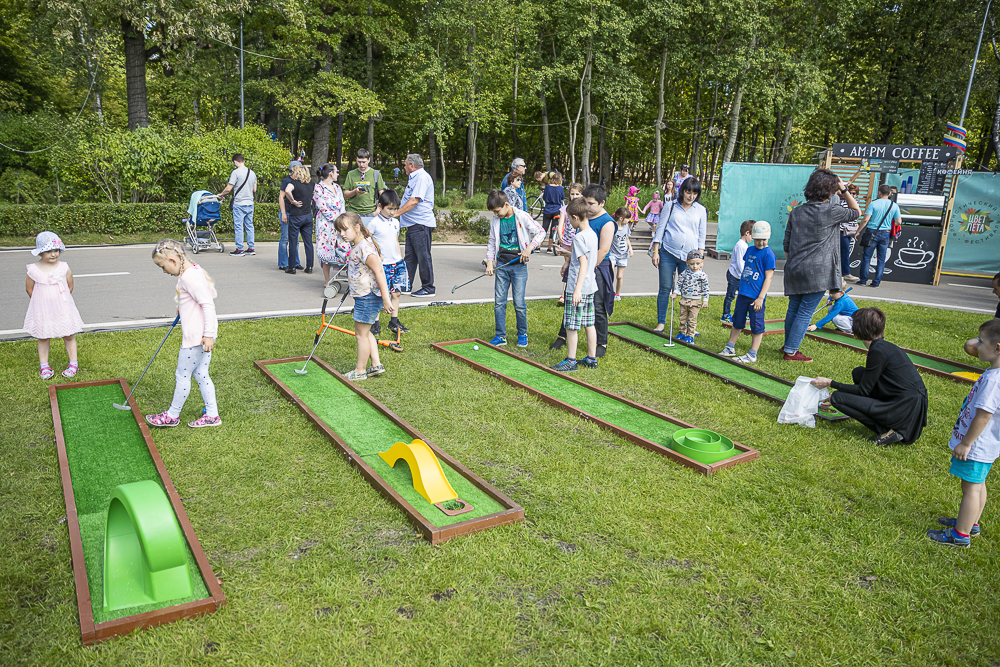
308, 269
250, 251
423, 291
557, 343
237, 253
601, 350
398, 328
588, 362
290, 270
887, 438
299, 267
376, 328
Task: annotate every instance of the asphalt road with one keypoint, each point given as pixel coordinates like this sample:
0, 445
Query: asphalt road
120, 287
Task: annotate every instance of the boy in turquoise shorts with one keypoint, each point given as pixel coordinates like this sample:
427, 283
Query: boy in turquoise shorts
975, 440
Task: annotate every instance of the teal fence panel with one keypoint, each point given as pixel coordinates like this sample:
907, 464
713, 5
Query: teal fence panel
973, 241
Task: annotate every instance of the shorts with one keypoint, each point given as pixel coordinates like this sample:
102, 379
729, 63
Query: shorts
619, 261
974, 472
653, 218
578, 317
743, 309
367, 308
396, 277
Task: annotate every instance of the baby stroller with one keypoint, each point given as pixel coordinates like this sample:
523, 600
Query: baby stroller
201, 229
338, 281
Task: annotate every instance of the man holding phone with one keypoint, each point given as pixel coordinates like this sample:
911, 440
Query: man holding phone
362, 187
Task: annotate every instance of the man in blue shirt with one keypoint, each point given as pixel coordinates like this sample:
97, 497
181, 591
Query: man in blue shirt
517, 168
878, 219
416, 215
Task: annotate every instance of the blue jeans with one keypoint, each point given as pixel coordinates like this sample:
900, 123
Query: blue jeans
514, 277
801, 308
845, 255
668, 266
879, 245
732, 287
243, 218
283, 242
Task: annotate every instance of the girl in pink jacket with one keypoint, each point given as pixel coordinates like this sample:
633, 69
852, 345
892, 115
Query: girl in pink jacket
199, 328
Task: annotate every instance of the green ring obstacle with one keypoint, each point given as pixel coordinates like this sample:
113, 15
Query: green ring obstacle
144, 550
702, 445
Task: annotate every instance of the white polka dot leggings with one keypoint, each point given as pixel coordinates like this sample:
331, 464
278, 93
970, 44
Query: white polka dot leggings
193, 360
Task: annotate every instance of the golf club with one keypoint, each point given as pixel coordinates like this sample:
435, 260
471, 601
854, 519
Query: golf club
829, 302
484, 275
303, 371
671, 338
126, 405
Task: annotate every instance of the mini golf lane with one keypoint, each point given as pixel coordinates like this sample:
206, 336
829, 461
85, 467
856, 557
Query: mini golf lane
636, 423
362, 428
757, 382
100, 449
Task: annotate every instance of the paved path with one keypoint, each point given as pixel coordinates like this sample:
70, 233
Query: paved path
120, 287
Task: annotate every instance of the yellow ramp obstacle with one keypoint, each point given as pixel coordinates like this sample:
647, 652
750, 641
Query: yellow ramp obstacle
428, 477
967, 375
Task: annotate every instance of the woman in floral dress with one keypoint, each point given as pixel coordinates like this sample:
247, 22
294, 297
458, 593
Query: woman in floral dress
328, 200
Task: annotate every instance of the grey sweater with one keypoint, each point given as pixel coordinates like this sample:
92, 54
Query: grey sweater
812, 246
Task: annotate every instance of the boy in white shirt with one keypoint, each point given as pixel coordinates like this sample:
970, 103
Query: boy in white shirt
975, 440
736, 270
581, 285
384, 228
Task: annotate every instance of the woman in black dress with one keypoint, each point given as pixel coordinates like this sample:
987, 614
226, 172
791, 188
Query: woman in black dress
888, 395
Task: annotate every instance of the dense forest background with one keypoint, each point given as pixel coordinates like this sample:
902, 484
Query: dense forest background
140, 102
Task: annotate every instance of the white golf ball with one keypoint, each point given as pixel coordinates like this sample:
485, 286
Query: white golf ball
475, 347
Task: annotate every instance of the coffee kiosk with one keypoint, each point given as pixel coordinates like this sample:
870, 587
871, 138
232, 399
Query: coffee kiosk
925, 205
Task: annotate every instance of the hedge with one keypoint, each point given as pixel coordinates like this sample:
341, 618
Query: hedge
117, 219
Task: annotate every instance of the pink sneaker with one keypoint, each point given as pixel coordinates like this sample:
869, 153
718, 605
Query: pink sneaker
205, 420
163, 419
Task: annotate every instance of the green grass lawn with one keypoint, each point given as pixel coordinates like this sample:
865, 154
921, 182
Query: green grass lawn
812, 555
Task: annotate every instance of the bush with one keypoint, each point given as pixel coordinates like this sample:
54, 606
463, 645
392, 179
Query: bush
117, 219
469, 221
25, 187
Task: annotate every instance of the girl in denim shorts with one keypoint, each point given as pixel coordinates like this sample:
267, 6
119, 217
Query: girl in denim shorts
368, 287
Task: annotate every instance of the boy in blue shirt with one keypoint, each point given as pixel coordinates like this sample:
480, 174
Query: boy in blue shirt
842, 309
758, 270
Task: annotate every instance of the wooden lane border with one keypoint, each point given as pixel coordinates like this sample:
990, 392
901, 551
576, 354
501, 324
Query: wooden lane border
434, 534
714, 355
746, 329
747, 453
91, 632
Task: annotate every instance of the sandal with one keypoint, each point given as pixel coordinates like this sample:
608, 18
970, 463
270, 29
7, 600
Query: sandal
950, 521
46, 373
163, 419
70, 371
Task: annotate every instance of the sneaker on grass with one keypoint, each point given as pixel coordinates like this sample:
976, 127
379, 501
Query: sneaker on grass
747, 359
163, 419
728, 351
499, 341
375, 370
727, 319
588, 362
567, 365
522, 340
204, 421
948, 537
950, 521
356, 376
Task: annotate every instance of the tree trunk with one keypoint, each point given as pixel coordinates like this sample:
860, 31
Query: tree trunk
659, 119
135, 75
734, 124
517, 69
696, 136
783, 154
588, 133
470, 182
602, 155
321, 139
196, 103
431, 163
295, 136
92, 73
371, 120
545, 132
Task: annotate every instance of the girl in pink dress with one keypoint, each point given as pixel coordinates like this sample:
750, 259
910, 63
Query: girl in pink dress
51, 312
328, 200
199, 328
632, 204
654, 207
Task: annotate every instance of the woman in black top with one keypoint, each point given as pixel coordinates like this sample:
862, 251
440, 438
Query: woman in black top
300, 219
888, 395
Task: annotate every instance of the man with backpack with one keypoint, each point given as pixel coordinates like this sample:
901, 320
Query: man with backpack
363, 186
243, 184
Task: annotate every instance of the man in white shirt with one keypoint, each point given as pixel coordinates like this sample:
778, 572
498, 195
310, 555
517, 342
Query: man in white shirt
416, 216
244, 181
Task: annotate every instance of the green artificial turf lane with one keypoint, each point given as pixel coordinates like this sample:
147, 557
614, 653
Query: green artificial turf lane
368, 432
698, 358
941, 365
609, 409
105, 448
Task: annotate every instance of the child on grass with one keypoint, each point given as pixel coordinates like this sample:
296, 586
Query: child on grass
513, 185
842, 309
581, 286
513, 237
199, 328
385, 232
369, 290
654, 207
736, 270
758, 270
566, 234
51, 311
975, 440
621, 247
692, 286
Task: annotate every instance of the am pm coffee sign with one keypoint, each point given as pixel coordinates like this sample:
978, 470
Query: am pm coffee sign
894, 152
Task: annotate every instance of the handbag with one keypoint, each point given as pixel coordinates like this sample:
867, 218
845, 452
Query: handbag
866, 236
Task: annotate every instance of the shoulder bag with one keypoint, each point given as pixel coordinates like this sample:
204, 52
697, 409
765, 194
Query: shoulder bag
866, 236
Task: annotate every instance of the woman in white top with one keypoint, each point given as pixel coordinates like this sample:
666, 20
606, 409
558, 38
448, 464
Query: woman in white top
682, 228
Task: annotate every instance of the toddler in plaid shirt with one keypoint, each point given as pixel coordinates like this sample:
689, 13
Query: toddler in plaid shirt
692, 286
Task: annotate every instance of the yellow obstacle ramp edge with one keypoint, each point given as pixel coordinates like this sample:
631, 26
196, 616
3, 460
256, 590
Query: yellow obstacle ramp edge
967, 375
145, 560
428, 477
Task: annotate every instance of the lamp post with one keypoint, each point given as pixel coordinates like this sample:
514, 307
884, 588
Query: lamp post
975, 59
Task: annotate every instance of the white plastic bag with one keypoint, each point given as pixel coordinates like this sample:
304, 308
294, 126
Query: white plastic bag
802, 403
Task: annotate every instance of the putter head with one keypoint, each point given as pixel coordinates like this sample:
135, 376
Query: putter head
121, 407
454, 288
300, 371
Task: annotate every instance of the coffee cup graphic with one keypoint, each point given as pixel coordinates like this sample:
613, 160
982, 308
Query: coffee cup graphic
913, 256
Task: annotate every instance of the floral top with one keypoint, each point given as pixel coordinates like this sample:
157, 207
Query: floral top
633, 207
359, 276
329, 203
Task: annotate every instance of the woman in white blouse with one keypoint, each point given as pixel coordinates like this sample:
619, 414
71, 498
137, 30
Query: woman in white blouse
682, 228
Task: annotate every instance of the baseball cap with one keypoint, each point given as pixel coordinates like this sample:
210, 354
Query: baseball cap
47, 241
294, 163
694, 254
761, 230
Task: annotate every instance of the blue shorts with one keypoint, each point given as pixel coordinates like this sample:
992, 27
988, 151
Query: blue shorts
367, 308
744, 308
396, 277
974, 472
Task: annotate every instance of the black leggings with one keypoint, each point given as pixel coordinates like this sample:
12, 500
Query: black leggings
547, 219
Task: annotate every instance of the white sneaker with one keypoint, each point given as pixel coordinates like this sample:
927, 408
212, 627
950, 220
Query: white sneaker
618, 297
728, 352
746, 359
